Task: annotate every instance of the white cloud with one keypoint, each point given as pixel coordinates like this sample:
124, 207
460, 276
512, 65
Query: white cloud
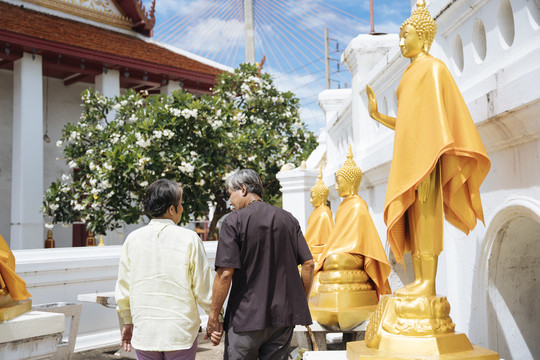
198, 36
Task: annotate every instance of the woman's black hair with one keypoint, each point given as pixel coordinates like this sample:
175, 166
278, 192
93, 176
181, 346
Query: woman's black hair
160, 195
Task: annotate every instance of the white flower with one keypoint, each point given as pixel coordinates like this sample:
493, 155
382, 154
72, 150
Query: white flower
54, 207
108, 166
95, 191
144, 183
158, 134
189, 113
49, 226
66, 177
132, 118
105, 184
99, 127
79, 206
251, 158
74, 135
59, 143
123, 102
168, 133
117, 107
72, 164
120, 122
92, 166
143, 143
186, 167
89, 151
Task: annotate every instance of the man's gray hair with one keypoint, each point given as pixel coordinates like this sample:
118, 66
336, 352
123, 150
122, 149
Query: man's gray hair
248, 178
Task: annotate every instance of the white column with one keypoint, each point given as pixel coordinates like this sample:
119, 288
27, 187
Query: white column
296, 187
27, 167
170, 87
108, 84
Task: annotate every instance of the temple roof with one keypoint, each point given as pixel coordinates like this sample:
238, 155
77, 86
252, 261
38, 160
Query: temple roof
127, 14
76, 51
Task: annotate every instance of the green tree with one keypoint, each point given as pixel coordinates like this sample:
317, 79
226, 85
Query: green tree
121, 145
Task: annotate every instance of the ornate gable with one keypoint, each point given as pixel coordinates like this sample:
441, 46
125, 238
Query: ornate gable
126, 14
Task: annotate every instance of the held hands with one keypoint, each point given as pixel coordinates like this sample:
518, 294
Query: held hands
214, 331
127, 332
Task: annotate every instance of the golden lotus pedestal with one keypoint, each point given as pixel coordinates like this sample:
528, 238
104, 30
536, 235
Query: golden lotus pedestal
414, 328
341, 311
14, 309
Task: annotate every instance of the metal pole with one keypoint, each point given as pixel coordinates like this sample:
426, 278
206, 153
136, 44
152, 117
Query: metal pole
249, 31
372, 19
326, 58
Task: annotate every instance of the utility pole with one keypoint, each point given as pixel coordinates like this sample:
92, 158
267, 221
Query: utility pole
249, 31
326, 58
371, 17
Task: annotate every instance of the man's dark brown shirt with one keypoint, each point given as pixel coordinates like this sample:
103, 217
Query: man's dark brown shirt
265, 245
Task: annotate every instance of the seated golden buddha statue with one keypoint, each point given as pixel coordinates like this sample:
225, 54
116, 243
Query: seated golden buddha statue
353, 268
13, 293
320, 223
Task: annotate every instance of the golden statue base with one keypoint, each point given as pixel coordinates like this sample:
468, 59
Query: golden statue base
408, 327
341, 311
358, 350
16, 308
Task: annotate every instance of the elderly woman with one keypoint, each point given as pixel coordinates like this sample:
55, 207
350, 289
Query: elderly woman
163, 275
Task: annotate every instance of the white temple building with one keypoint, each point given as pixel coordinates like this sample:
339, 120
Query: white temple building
50, 51
492, 49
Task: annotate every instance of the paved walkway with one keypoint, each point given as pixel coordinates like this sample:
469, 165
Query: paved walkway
205, 351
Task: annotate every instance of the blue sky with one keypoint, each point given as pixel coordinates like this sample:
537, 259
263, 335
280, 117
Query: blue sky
289, 33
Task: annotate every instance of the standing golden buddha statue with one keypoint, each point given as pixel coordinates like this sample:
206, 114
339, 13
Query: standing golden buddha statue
13, 294
353, 268
320, 223
438, 165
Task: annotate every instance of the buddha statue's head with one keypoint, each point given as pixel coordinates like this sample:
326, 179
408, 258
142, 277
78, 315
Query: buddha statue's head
348, 177
417, 32
319, 192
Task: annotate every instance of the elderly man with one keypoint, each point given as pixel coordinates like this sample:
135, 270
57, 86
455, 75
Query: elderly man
259, 250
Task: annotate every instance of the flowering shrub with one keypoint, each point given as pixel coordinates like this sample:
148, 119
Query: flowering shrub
121, 145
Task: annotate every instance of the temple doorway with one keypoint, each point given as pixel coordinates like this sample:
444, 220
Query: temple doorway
514, 291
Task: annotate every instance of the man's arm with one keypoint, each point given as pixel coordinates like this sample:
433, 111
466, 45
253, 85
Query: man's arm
307, 276
222, 283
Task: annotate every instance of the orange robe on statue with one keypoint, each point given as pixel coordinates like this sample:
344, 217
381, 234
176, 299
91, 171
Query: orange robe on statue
433, 125
8, 279
355, 233
319, 227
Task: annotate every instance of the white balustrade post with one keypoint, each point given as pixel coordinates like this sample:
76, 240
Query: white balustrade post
27, 157
296, 187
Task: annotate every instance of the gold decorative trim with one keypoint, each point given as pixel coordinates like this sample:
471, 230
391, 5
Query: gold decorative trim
97, 11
